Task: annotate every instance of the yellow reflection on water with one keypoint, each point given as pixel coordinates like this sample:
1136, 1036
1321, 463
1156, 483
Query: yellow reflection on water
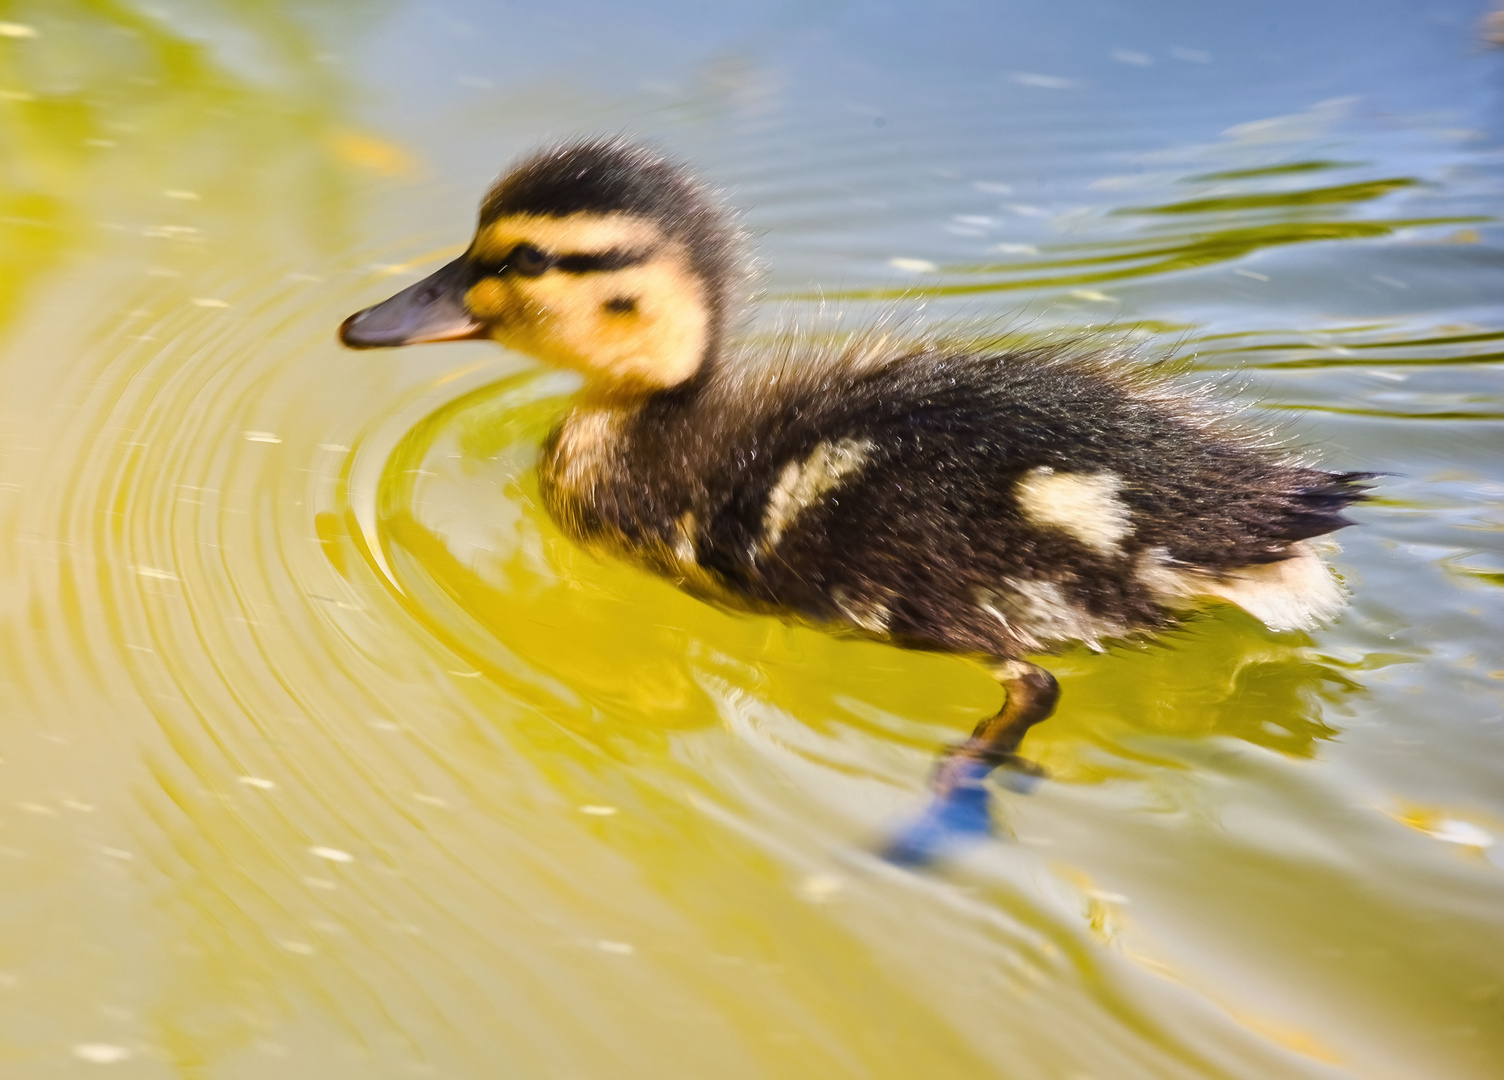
459, 521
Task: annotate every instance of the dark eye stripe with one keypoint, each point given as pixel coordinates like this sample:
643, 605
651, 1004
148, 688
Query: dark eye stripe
531, 262
616, 259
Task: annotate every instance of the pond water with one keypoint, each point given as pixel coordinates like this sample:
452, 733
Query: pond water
325, 755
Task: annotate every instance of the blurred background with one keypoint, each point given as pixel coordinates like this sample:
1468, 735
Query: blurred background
322, 754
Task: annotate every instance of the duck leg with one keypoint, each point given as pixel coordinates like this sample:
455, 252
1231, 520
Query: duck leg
1032, 693
959, 807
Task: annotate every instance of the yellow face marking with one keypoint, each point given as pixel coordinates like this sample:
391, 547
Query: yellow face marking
639, 327
577, 233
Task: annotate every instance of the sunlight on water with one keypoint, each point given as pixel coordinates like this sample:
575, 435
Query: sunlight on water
324, 754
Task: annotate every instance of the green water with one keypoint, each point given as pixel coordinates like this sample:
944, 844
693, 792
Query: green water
323, 754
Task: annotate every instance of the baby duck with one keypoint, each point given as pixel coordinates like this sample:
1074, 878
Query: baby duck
994, 504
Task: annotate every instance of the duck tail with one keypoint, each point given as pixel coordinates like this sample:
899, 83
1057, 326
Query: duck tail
1316, 508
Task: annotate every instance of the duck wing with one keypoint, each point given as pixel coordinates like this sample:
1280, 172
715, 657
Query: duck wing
996, 504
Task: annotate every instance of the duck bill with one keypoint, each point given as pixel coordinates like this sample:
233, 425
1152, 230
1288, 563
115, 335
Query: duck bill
431, 310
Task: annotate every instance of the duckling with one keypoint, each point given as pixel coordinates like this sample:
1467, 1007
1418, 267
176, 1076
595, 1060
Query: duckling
993, 504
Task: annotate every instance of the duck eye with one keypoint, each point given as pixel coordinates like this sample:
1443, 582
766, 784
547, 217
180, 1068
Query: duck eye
528, 260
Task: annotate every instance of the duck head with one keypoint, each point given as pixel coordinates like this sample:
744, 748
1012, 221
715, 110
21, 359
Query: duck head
602, 257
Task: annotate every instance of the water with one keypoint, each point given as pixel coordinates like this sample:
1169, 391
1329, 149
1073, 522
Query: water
325, 755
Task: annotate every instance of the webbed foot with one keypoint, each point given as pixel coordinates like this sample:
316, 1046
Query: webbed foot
960, 809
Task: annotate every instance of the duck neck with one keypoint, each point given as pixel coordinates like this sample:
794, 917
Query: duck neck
635, 396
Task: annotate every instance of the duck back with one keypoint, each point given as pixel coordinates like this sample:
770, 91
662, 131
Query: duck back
996, 503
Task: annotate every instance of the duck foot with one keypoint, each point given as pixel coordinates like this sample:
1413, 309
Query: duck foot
959, 812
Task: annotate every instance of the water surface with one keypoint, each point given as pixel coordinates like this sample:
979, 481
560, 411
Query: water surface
325, 755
